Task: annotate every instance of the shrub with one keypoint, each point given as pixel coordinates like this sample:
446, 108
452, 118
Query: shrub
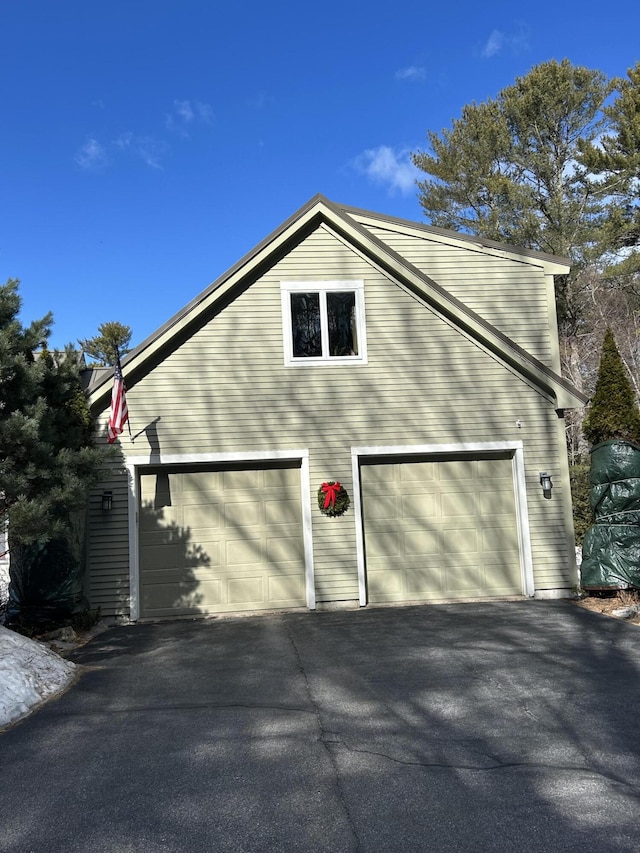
613, 413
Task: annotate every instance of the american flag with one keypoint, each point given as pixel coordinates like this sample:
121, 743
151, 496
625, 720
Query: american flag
119, 414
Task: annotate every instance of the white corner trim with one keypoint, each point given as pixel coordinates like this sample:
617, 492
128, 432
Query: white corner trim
136, 463
134, 561
519, 485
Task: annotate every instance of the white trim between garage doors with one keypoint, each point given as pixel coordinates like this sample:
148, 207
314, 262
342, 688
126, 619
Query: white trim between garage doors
136, 463
515, 448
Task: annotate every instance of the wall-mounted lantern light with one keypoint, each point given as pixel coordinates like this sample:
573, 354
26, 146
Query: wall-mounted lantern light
547, 485
107, 501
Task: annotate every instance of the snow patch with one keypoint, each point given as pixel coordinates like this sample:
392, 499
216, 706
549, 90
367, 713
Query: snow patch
29, 673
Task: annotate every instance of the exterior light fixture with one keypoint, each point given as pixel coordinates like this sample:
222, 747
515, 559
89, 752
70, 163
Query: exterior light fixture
107, 501
547, 485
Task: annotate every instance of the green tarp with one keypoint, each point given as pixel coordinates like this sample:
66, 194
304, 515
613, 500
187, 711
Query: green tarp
611, 548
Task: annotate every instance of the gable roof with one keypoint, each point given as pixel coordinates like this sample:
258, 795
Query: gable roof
350, 225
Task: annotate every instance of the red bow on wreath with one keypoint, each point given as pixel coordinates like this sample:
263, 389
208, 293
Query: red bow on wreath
331, 493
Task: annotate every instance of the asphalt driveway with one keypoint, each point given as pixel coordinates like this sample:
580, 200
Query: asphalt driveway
469, 727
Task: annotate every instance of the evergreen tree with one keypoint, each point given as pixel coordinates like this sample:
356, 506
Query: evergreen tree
110, 344
46, 458
613, 413
614, 159
508, 170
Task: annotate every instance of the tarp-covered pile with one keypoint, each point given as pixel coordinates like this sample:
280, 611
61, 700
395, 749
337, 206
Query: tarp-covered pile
611, 548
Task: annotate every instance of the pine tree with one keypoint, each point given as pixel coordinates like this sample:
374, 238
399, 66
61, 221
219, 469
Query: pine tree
110, 344
614, 162
508, 168
613, 413
47, 460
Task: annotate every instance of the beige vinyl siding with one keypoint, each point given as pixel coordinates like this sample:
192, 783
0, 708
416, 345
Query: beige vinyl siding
108, 548
510, 294
226, 390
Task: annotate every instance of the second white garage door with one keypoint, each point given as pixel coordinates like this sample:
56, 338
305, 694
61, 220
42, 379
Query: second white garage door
214, 541
440, 528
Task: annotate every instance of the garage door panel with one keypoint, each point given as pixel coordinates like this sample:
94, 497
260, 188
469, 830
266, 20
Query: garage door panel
384, 584
498, 502
231, 540
422, 542
425, 580
459, 471
152, 517
284, 549
499, 539
197, 482
234, 481
246, 590
383, 543
205, 517
464, 576
282, 512
241, 514
281, 478
161, 556
418, 506
383, 507
285, 589
461, 540
449, 529
244, 552
415, 472
167, 598
457, 504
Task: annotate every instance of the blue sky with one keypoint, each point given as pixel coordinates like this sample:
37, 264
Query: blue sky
148, 145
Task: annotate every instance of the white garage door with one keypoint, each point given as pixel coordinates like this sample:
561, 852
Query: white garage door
440, 528
219, 541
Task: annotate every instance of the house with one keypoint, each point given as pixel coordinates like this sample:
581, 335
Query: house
417, 367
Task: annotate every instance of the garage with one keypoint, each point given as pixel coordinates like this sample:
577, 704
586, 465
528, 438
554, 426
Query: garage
215, 540
440, 527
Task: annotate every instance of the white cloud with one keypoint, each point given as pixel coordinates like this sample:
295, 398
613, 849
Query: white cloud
515, 42
185, 113
204, 111
152, 151
92, 156
493, 45
124, 140
393, 169
184, 110
414, 73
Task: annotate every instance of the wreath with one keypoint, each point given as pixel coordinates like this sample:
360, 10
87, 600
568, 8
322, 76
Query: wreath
333, 498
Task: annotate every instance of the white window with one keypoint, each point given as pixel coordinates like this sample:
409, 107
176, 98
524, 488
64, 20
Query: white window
323, 322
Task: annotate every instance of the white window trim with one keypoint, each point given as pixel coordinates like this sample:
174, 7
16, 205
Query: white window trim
137, 464
323, 287
516, 448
